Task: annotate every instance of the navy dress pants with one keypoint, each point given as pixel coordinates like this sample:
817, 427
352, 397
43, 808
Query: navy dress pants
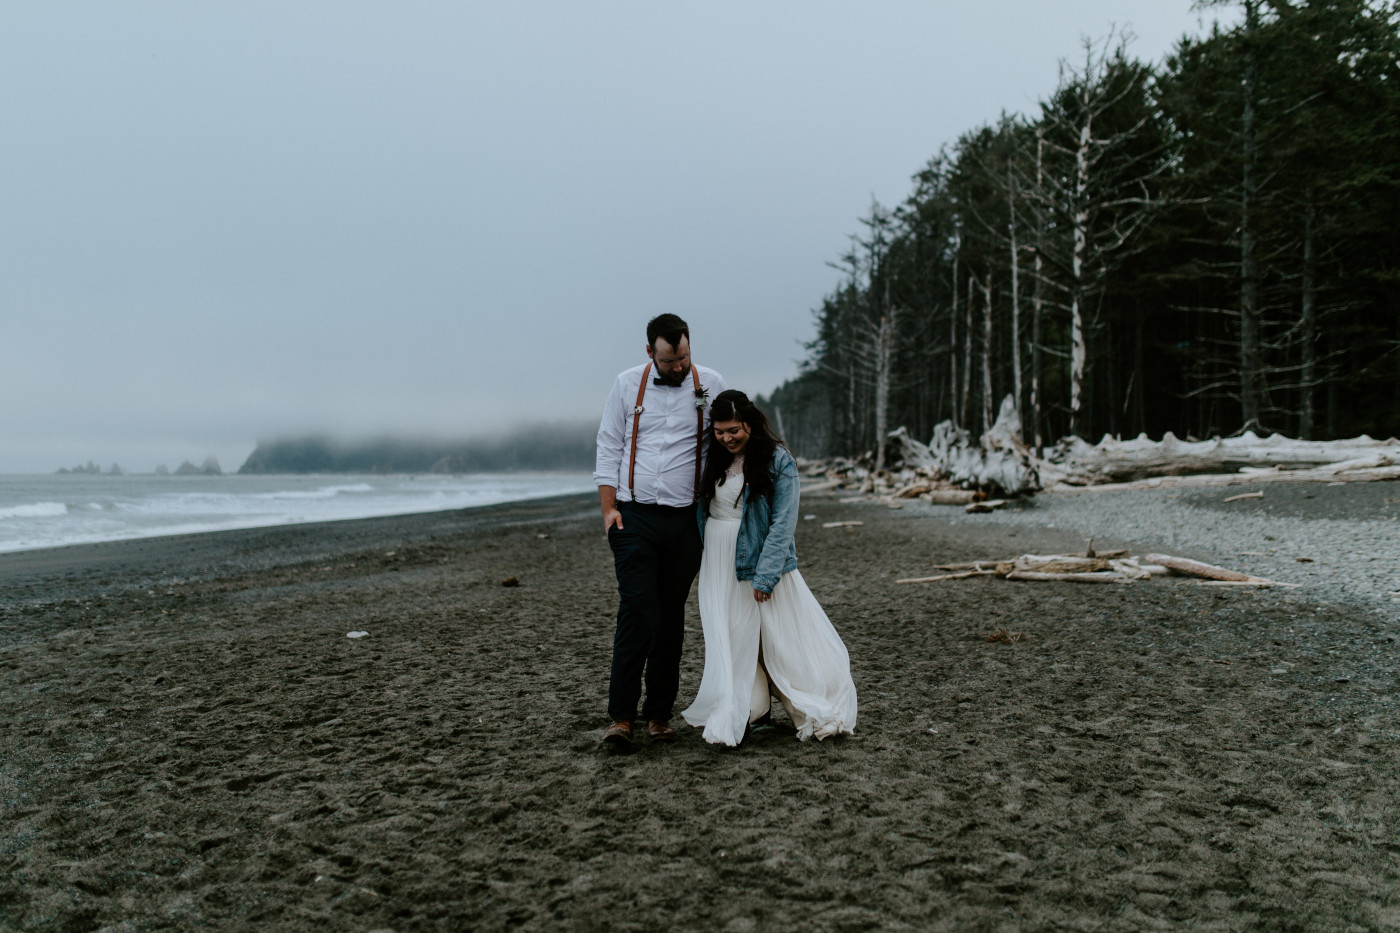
656, 555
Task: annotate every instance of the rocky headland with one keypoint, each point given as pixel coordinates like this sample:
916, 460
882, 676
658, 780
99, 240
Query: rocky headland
546, 447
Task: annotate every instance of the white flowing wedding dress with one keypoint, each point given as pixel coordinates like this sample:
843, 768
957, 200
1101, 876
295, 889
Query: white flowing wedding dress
787, 641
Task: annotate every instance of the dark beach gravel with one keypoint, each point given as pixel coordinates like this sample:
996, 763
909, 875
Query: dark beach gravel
189, 740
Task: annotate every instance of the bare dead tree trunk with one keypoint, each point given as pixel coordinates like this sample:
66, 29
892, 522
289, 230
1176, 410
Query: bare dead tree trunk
1250, 367
1079, 352
1308, 324
1395, 383
1139, 421
884, 353
1088, 199
967, 355
1037, 299
953, 341
851, 403
1015, 293
1333, 402
987, 416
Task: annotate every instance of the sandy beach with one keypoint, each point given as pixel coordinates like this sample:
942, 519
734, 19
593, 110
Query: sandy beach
189, 739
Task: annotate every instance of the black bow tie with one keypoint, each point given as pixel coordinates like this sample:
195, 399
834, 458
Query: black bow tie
663, 382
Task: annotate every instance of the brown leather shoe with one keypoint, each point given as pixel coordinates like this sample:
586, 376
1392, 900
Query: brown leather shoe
660, 730
619, 734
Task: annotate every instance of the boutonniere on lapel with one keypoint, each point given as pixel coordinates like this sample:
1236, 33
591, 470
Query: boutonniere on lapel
702, 398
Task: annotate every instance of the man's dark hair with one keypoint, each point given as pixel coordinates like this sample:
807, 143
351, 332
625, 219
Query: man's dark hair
668, 326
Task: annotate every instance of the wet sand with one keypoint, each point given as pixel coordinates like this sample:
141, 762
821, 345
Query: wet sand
190, 739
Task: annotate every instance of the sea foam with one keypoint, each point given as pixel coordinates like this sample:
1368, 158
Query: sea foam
109, 508
325, 492
35, 510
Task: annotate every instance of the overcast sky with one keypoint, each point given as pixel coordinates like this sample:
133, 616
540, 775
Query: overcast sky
221, 222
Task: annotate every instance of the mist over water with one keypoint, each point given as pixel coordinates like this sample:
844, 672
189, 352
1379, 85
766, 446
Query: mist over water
50, 511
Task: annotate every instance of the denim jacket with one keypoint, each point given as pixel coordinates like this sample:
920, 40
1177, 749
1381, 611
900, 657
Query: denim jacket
766, 549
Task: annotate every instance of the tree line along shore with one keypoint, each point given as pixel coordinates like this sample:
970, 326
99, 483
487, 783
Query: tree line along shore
1202, 246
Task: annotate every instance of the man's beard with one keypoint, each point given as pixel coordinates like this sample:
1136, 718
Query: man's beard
674, 379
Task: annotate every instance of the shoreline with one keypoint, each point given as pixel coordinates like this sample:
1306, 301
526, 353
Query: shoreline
209, 551
40, 512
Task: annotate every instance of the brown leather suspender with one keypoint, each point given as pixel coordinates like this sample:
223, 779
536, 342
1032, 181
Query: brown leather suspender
637, 420
699, 428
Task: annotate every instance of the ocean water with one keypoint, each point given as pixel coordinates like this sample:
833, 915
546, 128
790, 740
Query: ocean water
48, 511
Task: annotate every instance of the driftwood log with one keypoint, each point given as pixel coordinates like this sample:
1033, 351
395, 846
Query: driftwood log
913, 490
1133, 570
952, 496
1109, 567
949, 576
1257, 581
1194, 568
1055, 563
1211, 574
1364, 471
1106, 576
1075, 462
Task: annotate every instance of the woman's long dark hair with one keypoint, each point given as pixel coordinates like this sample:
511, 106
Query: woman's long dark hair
733, 405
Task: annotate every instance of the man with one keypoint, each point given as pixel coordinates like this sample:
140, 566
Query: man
650, 445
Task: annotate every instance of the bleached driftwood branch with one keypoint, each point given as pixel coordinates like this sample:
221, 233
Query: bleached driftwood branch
1056, 563
1194, 568
1365, 470
1073, 568
1215, 576
1106, 576
949, 576
1073, 462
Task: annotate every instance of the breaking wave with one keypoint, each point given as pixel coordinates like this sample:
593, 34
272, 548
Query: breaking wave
35, 510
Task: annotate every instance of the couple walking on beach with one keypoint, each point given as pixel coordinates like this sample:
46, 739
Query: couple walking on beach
692, 478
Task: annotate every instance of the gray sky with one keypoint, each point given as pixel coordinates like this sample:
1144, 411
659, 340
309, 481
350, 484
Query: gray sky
225, 221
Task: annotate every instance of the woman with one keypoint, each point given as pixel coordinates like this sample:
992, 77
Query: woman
762, 624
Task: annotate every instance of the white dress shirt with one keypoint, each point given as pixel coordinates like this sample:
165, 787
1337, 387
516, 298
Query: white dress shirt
665, 439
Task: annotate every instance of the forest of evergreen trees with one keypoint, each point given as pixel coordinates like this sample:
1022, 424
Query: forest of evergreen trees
1202, 246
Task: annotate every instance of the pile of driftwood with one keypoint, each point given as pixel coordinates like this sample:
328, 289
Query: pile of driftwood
950, 470
856, 481
1101, 567
954, 469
